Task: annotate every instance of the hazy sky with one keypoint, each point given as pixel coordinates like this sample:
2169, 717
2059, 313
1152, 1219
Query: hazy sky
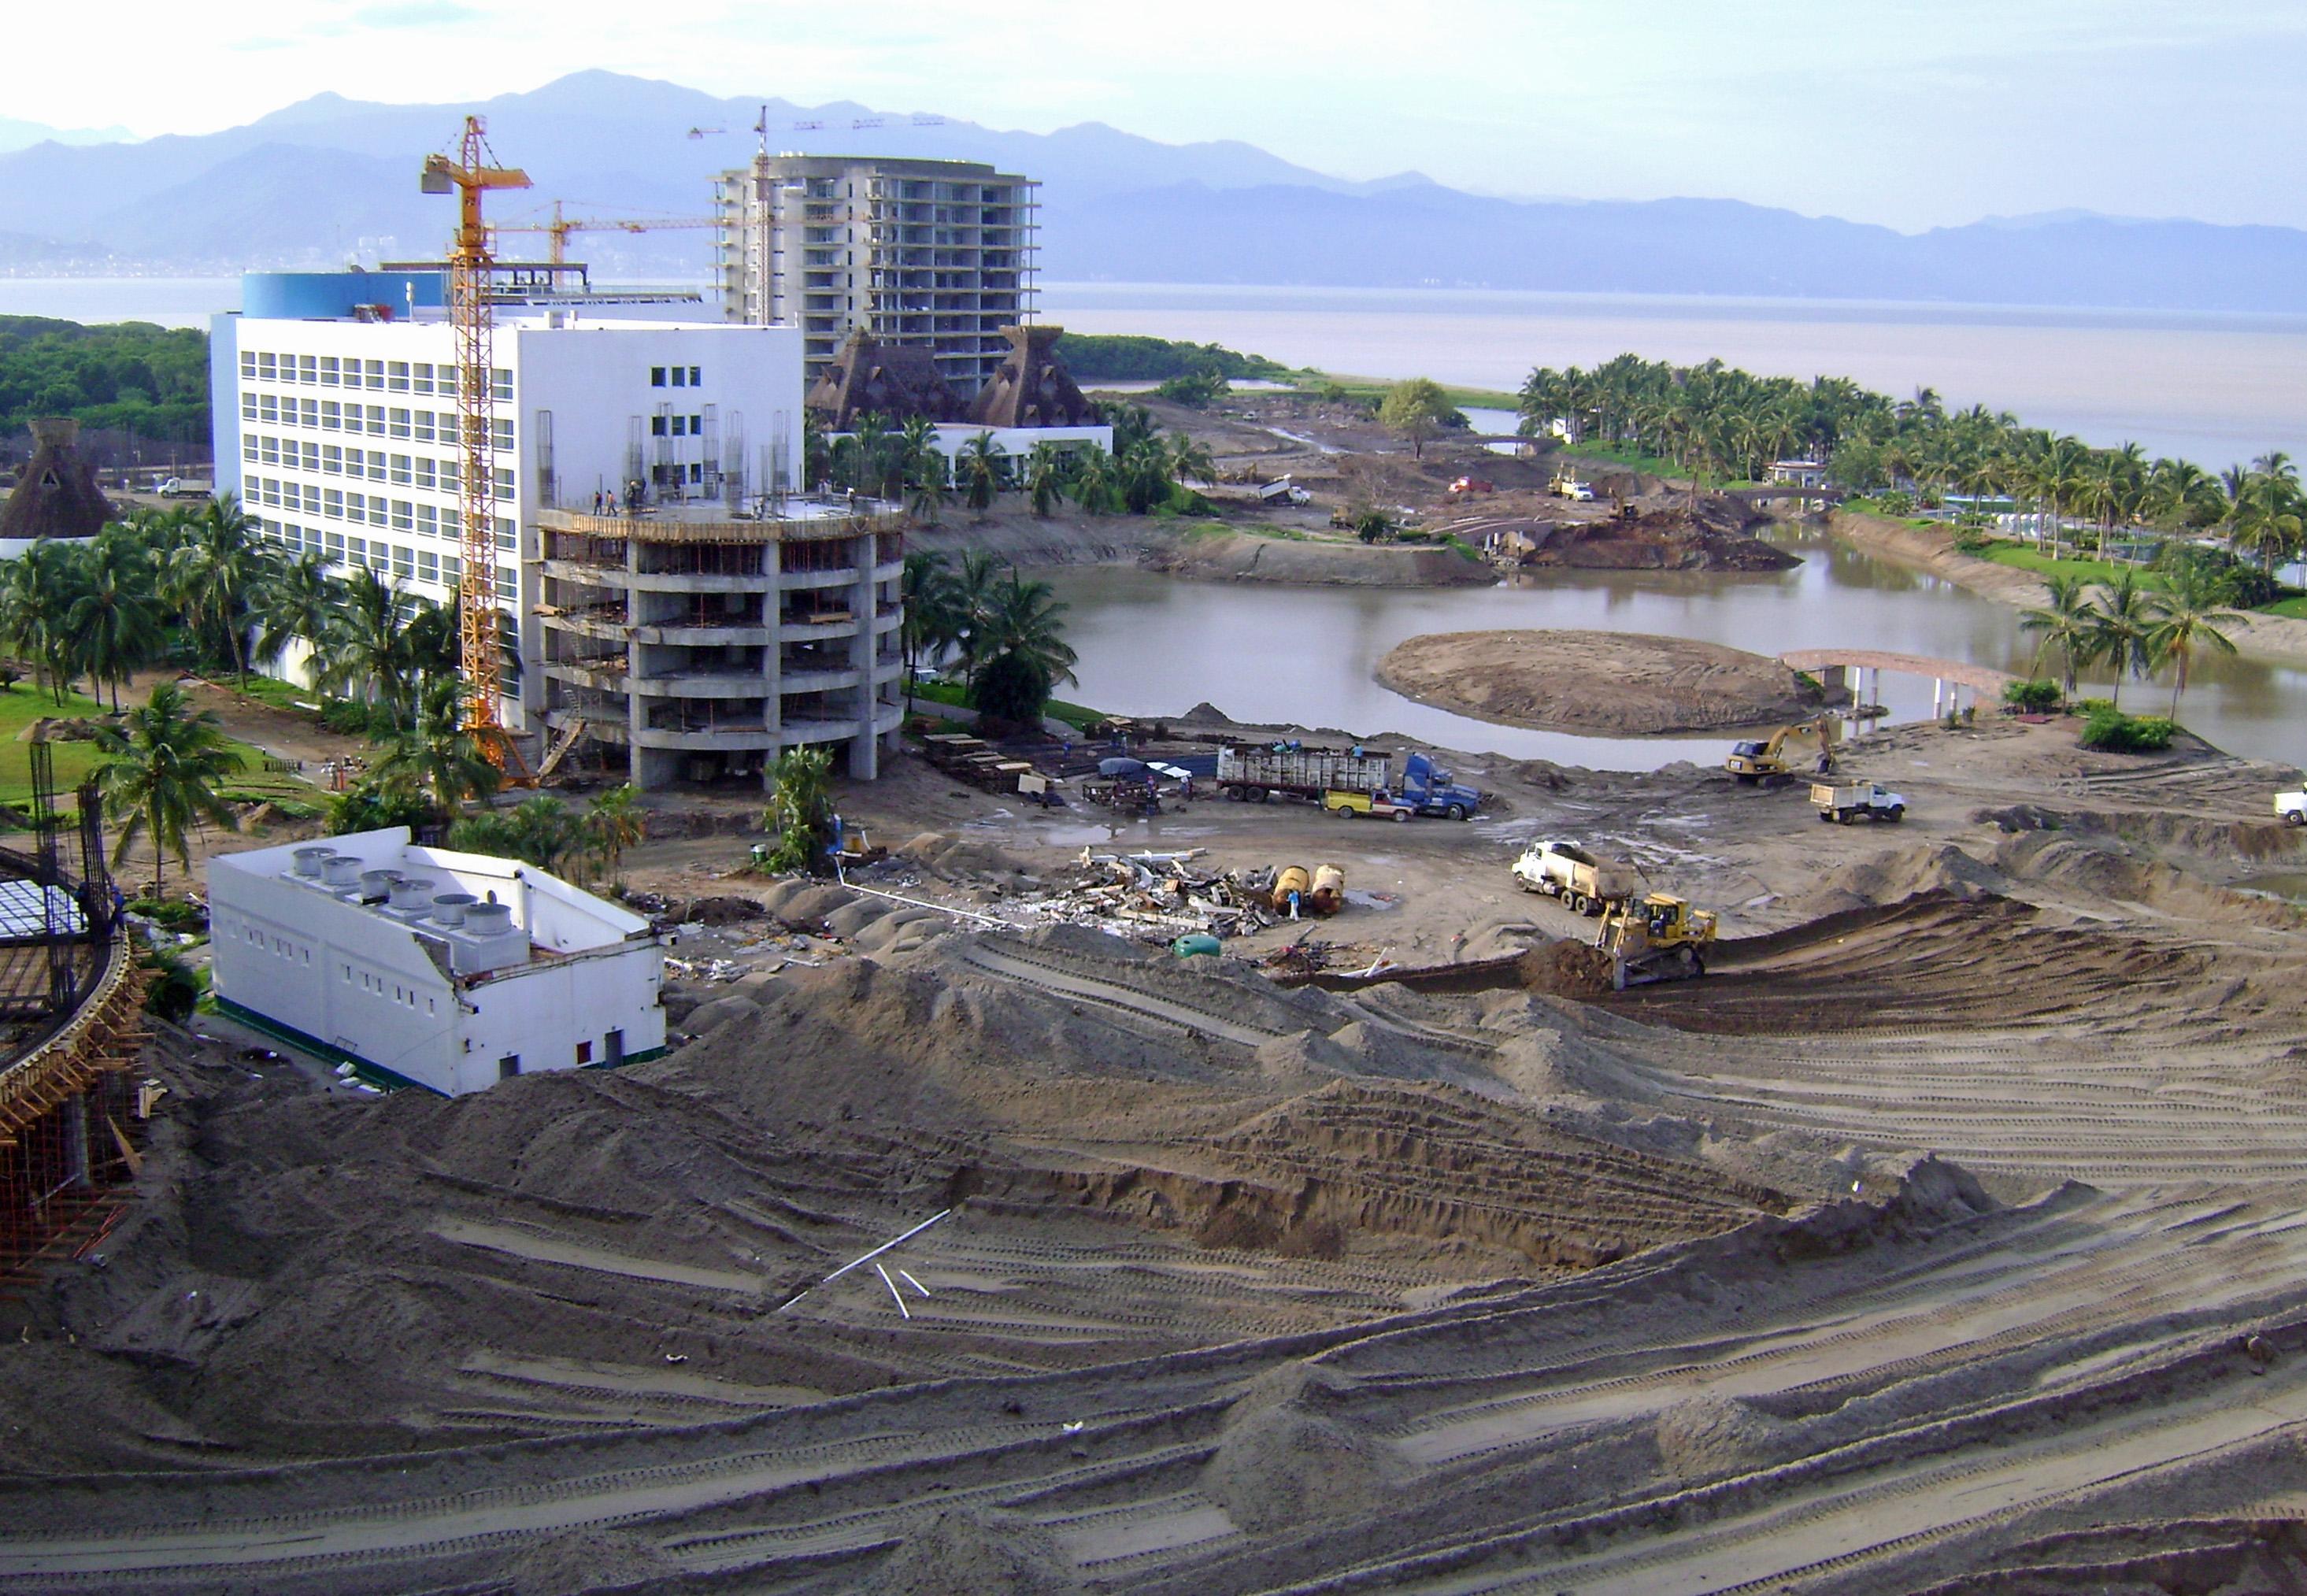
1900, 111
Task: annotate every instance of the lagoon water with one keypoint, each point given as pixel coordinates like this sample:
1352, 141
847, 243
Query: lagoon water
2215, 389
1151, 645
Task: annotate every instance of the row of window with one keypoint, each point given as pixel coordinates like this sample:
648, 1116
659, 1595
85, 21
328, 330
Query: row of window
331, 459
341, 504
379, 421
378, 986
280, 947
676, 426
400, 561
676, 376
392, 376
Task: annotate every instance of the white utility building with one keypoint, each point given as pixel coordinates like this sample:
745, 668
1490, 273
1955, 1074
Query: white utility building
336, 419
423, 966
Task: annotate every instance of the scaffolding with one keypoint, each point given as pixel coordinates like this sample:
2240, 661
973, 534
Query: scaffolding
73, 1106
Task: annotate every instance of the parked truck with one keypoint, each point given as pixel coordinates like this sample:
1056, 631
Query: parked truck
1586, 883
1430, 790
1255, 772
1861, 800
2291, 808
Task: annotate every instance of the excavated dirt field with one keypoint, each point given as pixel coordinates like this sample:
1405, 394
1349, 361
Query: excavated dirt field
1609, 683
1948, 1237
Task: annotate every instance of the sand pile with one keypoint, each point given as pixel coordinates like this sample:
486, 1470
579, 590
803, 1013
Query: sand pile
1568, 969
1602, 683
1895, 874
963, 1552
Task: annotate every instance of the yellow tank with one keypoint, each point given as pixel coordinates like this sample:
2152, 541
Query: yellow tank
1291, 880
1329, 894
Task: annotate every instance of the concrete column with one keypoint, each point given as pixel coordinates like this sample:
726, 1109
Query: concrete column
1938, 694
773, 602
864, 752
636, 755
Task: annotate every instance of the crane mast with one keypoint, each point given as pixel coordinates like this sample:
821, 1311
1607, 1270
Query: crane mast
471, 319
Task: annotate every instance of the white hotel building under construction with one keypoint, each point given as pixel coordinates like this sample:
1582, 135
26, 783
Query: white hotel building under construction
642, 474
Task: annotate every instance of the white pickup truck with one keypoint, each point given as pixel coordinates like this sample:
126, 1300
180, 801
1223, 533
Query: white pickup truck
1587, 884
1848, 803
2291, 808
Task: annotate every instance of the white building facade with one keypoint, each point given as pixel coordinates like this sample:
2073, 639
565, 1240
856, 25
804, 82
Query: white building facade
337, 426
428, 967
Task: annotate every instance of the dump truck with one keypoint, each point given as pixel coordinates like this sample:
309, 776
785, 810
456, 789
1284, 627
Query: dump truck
1867, 800
1566, 486
1254, 772
1657, 936
1773, 761
1586, 883
1430, 790
2291, 808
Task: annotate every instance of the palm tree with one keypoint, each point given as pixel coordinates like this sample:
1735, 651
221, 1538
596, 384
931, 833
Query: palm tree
114, 621
298, 600
2125, 613
932, 621
913, 454
1190, 462
366, 651
1045, 478
1027, 619
2186, 613
1092, 479
436, 754
2068, 623
159, 773
612, 822
979, 466
816, 454
973, 597
214, 573
35, 605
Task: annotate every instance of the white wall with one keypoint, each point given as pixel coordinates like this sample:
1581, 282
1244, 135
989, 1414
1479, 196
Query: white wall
365, 983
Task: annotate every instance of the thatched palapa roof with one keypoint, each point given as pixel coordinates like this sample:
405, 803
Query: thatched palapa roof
896, 381
1033, 387
56, 496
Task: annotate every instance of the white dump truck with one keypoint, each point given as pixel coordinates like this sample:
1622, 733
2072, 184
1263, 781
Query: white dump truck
1585, 882
2291, 808
1860, 799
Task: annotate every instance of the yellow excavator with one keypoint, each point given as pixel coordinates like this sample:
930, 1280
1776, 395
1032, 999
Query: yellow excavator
1804, 749
1657, 936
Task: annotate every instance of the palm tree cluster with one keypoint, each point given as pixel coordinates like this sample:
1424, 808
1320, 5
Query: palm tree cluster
2133, 629
586, 844
204, 587
1146, 469
1715, 420
1005, 633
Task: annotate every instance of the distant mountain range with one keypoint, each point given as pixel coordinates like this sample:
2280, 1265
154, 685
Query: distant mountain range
328, 180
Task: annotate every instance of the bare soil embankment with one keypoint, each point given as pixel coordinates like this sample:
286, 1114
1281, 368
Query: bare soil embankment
1606, 683
1239, 557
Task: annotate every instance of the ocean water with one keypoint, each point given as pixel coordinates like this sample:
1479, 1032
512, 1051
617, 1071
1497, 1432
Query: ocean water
2212, 388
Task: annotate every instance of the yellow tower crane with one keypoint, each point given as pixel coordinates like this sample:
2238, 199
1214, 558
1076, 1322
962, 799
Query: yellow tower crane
558, 229
469, 175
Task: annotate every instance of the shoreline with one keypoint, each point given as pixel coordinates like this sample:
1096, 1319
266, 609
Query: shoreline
2271, 640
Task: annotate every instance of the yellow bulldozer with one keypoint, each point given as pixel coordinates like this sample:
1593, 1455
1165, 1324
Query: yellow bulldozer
1805, 749
1657, 936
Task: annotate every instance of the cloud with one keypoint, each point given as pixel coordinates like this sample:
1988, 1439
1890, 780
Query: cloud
415, 13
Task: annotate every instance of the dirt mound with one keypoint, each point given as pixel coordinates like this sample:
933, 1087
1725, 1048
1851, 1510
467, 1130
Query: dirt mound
1715, 535
2247, 1557
1567, 969
1898, 873
965, 1552
1283, 1462
580, 1561
1705, 1436
1605, 684
2097, 870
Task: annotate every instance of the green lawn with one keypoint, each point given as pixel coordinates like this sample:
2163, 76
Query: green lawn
2090, 570
1378, 388
21, 705
2293, 608
951, 692
1627, 456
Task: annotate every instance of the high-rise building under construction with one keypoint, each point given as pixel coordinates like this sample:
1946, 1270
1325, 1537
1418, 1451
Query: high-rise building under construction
932, 252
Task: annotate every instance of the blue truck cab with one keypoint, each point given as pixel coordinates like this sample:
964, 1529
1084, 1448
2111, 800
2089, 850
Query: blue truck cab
1431, 789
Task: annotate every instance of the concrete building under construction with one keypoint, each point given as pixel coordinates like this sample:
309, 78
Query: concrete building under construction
936, 253
703, 642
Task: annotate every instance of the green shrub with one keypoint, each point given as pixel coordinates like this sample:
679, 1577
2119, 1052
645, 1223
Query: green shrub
1195, 388
2111, 732
1971, 540
2031, 696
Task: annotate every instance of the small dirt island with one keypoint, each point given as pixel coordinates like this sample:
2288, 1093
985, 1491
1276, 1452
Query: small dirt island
1598, 683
